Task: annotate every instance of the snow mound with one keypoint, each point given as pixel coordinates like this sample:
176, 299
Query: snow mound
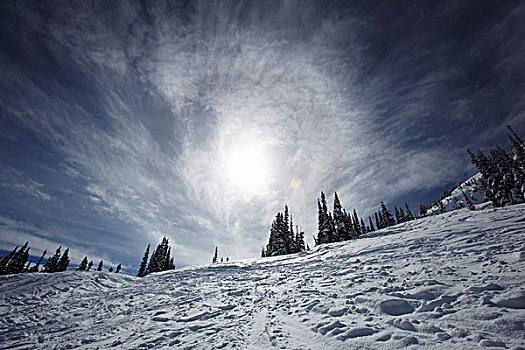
453, 280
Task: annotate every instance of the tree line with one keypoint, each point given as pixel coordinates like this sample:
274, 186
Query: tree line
283, 239
17, 261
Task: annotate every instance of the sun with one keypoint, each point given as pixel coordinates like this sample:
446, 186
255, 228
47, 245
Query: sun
246, 167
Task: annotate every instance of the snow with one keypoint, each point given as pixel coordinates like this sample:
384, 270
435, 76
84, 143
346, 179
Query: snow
451, 280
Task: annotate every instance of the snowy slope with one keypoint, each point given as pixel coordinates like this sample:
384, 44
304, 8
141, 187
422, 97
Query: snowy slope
456, 200
454, 280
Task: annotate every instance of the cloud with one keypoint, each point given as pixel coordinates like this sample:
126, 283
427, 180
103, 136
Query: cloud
142, 103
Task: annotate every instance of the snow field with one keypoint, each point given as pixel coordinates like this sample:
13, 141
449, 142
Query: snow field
453, 280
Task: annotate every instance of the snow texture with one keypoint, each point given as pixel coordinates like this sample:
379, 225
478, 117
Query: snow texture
453, 280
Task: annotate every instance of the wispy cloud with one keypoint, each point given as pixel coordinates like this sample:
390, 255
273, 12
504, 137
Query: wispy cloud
160, 93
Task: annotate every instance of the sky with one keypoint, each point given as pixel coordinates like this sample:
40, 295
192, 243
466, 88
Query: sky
122, 122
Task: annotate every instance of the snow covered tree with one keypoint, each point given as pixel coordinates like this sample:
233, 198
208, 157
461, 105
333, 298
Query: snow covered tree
282, 238
119, 266
51, 264
340, 230
144, 263
83, 264
100, 264
63, 262
89, 265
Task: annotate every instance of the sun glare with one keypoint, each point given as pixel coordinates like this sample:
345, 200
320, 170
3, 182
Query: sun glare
247, 167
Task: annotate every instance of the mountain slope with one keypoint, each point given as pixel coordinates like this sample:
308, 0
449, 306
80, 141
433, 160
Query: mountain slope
451, 280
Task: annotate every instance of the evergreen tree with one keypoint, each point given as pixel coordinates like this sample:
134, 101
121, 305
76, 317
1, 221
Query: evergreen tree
320, 225
100, 264
35, 268
144, 263
5, 260
386, 215
63, 262
83, 264
89, 265
372, 228
408, 215
18, 261
468, 202
111, 269
263, 253
363, 226
422, 211
356, 224
327, 228
396, 213
402, 216
119, 266
340, 230
51, 264
379, 224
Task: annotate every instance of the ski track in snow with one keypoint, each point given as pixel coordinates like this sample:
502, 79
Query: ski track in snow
453, 280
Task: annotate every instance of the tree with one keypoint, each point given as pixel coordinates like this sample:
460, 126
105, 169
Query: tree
144, 263
371, 224
119, 266
90, 265
19, 260
468, 202
340, 229
100, 264
408, 214
63, 262
83, 264
51, 264
5, 260
214, 260
111, 269
386, 215
35, 268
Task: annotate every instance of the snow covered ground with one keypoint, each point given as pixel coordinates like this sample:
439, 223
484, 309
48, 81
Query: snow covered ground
454, 280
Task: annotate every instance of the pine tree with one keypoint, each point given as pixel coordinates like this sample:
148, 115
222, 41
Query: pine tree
143, 264
396, 213
18, 261
372, 228
379, 224
356, 224
408, 215
83, 264
63, 262
468, 202
5, 261
89, 265
119, 266
320, 225
422, 211
100, 264
111, 269
402, 216
340, 230
363, 226
263, 253
214, 260
51, 264
386, 216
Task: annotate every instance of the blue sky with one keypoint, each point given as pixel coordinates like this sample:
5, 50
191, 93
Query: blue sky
123, 122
